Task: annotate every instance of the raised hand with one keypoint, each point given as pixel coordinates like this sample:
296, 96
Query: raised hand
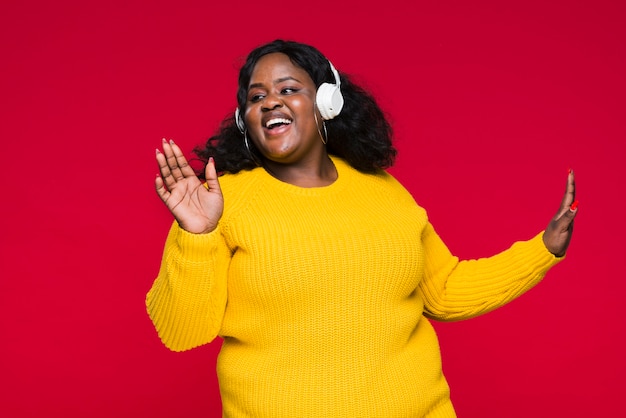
197, 209
559, 231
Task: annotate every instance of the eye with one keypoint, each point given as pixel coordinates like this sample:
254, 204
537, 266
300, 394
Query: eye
288, 90
255, 97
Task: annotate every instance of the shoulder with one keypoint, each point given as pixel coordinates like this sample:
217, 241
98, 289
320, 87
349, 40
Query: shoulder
383, 182
381, 186
239, 179
238, 189
396, 189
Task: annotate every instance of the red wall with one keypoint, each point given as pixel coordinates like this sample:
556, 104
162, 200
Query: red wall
491, 104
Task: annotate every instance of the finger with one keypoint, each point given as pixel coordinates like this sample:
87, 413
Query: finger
570, 190
569, 196
210, 173
571, 185
171, 159
166, 172
160, 188
181, 161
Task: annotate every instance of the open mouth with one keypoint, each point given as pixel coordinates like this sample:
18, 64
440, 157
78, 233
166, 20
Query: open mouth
276, 123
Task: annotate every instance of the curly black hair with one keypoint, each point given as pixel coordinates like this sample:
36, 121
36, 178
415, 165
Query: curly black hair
360, 134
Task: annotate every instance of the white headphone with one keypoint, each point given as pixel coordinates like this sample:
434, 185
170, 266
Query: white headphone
329, 100
239, 121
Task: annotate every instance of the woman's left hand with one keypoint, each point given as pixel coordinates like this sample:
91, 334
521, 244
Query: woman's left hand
558, 234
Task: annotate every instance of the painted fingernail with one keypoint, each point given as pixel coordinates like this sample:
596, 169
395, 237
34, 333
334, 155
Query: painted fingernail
211, 160
574, 205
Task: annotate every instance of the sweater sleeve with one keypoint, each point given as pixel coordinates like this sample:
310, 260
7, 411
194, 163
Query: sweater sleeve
454, 290
187, 300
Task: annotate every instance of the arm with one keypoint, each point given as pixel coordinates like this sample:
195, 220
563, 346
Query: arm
454, 289
187, 300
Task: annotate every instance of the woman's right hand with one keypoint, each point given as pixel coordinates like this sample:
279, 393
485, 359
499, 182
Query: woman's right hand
197, 209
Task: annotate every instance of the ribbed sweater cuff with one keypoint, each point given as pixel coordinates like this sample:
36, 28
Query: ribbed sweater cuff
538, 253
196, 247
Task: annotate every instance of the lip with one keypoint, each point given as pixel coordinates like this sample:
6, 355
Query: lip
276, 131
275, 115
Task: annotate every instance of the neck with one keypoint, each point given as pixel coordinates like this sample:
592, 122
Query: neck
315, 173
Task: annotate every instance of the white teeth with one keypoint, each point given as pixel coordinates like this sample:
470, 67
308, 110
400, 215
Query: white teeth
277, 120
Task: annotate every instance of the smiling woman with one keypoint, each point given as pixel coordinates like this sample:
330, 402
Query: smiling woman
364, 139
315, 265
282, 122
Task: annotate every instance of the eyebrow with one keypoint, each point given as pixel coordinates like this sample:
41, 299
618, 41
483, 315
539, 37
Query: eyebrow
277, 81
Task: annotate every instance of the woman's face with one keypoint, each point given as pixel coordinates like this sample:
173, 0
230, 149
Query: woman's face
280, 111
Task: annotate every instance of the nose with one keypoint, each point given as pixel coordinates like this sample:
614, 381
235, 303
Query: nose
271, 102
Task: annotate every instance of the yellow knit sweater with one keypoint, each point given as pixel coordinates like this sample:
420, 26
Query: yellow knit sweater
321, 296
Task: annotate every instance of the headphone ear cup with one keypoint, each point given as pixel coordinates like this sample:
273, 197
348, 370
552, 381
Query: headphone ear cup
239, 121
329, 100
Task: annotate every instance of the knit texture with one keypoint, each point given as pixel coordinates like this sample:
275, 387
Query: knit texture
322, 297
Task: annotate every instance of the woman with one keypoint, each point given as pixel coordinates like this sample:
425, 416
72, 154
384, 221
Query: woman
315, 266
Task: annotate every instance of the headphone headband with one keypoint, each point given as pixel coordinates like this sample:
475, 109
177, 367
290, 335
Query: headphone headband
336, 74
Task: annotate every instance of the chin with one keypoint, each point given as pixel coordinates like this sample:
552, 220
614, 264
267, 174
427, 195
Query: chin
283, 151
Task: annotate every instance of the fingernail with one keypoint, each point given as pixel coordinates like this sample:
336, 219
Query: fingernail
211, 160
574, 206
172, 141
163, 140
157, 151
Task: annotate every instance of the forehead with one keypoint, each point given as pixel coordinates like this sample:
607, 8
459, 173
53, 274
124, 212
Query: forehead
276, 66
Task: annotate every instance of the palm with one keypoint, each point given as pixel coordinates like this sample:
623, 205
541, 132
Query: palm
196, 208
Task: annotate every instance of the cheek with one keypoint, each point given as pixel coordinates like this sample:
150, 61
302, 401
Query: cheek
303, 104
306, 112
249, 117
252, 120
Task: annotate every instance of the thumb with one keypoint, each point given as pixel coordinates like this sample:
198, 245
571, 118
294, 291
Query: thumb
566, 219
210, 174
558, 234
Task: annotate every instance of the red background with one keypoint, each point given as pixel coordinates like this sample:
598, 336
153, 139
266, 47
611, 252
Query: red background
491, 104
